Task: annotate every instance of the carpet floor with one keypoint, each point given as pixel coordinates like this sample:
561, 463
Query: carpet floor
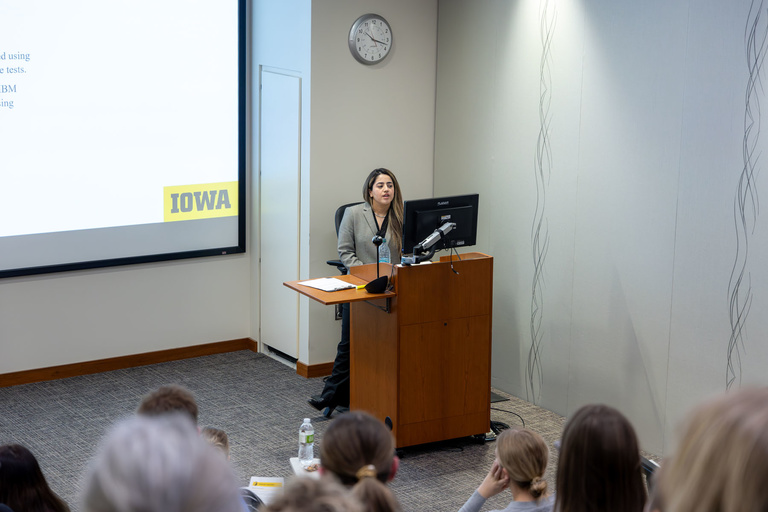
260, 403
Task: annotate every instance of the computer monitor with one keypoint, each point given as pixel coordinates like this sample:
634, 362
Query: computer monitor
423, 217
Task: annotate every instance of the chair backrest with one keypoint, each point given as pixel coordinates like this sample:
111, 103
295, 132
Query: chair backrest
337, 263
340, 214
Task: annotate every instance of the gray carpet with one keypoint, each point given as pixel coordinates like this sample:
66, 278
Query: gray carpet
260, 403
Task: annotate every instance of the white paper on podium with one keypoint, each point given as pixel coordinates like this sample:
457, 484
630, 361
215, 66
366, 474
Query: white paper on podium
328, 284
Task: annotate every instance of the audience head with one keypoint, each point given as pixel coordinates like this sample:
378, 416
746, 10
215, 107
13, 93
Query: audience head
360, 451
22, 484
313, 495
172, 398
217, 438
523, 454
159, 464
599, 466
721, 462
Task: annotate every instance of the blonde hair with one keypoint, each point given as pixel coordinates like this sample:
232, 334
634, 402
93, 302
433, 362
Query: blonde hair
216, 437
524, 454
721, 463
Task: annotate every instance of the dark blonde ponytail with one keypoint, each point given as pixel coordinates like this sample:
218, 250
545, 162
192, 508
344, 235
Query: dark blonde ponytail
360, 451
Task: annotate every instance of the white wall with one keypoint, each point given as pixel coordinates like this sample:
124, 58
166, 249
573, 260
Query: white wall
282, 38
644, 110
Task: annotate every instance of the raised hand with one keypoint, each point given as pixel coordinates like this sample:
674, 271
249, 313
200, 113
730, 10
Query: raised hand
495, 481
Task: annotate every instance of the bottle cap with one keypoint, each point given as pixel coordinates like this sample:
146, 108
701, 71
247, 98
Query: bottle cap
306, 420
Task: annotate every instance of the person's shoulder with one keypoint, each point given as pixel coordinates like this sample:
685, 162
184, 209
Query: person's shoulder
543, 505
357, 210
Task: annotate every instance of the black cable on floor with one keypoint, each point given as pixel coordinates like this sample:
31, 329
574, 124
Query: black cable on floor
509, 412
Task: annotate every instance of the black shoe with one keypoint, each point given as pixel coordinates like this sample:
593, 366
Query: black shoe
321, 403
341, 409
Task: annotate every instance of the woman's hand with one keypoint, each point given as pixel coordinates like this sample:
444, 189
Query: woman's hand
495, 481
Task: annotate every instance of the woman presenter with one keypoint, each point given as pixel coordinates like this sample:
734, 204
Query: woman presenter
380, 215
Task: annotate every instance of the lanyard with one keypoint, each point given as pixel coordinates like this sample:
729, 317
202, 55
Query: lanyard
383, 229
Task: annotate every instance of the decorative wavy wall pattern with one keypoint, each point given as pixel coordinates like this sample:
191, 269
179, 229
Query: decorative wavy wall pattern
539, 232
746, 205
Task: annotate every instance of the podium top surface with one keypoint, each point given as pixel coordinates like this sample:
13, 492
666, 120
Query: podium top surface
362, 274
341, 296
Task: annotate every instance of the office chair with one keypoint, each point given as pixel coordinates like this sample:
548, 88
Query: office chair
337, 262
337, 218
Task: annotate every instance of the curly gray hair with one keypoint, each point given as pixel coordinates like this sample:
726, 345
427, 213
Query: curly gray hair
159, 464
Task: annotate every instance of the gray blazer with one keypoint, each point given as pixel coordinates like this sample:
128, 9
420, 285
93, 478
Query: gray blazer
356, 233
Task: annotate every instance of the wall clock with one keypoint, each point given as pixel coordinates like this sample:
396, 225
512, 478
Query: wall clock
370, 39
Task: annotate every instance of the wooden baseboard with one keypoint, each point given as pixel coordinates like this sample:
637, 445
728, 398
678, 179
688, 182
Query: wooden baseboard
119, 363
315, 370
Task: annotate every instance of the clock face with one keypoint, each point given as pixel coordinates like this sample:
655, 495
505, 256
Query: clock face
370, 39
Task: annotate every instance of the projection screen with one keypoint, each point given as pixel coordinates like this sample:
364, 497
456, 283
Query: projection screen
123, 132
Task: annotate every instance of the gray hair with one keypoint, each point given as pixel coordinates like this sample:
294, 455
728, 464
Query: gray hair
159, 464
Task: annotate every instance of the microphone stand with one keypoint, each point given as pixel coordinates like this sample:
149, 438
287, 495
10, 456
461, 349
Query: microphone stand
377, 240
378, 285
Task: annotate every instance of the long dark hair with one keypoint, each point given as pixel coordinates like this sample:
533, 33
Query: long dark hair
395, 208
22, 484
599, 465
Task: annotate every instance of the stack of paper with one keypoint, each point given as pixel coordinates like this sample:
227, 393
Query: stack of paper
328, 284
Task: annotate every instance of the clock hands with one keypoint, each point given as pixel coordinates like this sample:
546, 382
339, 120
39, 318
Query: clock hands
375, 41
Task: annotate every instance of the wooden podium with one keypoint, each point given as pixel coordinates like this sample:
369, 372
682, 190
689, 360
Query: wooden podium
421, 356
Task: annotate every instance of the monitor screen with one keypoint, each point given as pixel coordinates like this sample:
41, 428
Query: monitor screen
423, 216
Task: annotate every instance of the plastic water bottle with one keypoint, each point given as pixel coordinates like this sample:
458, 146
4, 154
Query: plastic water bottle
384, 252
306, 443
